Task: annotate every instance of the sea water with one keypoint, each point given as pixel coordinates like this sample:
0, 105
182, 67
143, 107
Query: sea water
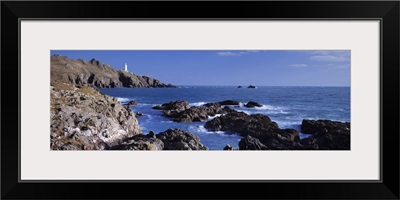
287, 106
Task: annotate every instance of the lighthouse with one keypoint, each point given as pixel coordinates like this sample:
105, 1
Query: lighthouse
126, 67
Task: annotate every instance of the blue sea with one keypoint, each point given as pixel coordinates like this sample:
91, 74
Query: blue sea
287, 106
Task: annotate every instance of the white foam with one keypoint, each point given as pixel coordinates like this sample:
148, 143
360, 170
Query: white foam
122, 99
202, 129
212, 117
197, 103
269, 107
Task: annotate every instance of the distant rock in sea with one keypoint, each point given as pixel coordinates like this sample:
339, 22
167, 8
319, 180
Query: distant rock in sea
252, 104
239, 86
251, 86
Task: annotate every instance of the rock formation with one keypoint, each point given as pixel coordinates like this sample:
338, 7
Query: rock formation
82, 118
180, 111
98, 74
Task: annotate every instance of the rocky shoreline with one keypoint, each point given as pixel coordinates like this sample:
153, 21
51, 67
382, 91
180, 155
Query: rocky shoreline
84, 119
259, 132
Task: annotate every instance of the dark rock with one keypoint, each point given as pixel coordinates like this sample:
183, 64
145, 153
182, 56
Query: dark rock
173, 106
251, 143
324, 126
151, 134
229, 147
179, 111
229, 102
252, 104
176, 139
251, 86
138, 114
132, 103
258, 126
239, 86
327, 135
140, 142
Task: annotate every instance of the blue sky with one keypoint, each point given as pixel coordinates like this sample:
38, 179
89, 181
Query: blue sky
229, 67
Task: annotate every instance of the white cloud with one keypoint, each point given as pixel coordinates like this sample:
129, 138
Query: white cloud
331, 55
236, 53
298, 65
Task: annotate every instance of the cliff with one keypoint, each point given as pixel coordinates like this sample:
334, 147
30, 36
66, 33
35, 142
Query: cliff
98, 74
83, 119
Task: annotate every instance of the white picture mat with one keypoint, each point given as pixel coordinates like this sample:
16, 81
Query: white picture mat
38, 162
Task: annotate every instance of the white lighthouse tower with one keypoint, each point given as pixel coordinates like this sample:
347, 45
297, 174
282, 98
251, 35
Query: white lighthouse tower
126, 67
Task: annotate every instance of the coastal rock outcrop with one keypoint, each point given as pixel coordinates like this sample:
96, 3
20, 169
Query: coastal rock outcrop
258, 126
176, 106
171, 139
177, 139
180, 111
327, 135
251, 143
229, 102
229, 147
83, 119
252, 104
98, 74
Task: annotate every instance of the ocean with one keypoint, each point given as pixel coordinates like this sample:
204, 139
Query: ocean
287, 106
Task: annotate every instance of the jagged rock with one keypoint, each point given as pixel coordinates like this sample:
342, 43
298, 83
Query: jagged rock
176, 139
251, 143
140, 142
173, 106
96, 73
138, 114
252, 104
229, 102
327, 135
229, 147
258, 126
179, 111
132, 103
83, 119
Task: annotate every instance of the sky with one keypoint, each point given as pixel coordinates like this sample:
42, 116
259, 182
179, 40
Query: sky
229, 67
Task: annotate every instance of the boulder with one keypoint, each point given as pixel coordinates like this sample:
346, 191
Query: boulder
229, 102
173, 106
180, 112
138, 114
327, 135
132, 103
251, 86
177, 139
228, 147
140, 142
257, 126
251, 143
252, 104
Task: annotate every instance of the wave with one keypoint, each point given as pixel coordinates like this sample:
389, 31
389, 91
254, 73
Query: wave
197, 103
269, 107
122, 99
202, 129
212, 117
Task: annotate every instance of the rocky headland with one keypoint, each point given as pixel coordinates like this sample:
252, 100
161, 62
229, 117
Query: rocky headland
98, 74
84, 119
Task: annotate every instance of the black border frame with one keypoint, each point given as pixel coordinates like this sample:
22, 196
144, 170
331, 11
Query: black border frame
386, 11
